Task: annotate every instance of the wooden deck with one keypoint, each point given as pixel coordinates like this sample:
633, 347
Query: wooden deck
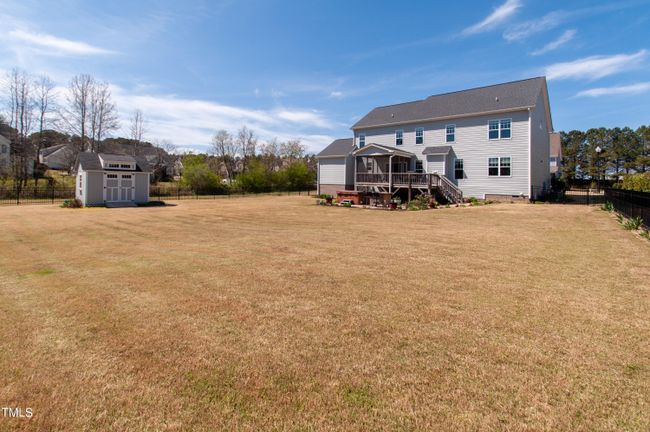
422, 181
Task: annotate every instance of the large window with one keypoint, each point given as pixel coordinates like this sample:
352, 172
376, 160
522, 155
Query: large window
399, 137
500, 129
362, 140
419, 135
450, 133
499, 167
458, 169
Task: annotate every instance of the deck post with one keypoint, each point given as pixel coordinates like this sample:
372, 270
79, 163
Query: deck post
409, 177
429, 182
355, 173
390, 174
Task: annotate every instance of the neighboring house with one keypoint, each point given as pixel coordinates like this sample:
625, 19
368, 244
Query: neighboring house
58, 157
487, 142
5, 156
109, 179
555, 159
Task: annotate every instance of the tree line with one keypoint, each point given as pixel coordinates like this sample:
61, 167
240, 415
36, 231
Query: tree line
602, 154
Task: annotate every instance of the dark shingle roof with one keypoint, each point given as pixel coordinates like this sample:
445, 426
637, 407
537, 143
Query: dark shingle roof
49, 150
91, 162
512, 95
339, 147
437, 150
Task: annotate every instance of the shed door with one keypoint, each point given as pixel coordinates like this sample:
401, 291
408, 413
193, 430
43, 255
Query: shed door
112, 187
126, 187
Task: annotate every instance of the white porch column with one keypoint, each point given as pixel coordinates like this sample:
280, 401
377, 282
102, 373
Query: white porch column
355, 173
390, 173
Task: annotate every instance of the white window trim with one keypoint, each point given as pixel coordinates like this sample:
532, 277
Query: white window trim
416, 135
401, 131
498, 166
362, 135
463, 169
499, 129
454, 126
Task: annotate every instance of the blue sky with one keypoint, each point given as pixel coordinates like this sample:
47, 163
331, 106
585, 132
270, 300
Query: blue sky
310, 69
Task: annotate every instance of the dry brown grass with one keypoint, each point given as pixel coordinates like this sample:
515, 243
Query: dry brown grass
274, 313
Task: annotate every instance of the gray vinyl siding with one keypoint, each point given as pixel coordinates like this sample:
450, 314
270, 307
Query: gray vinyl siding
332, 171
435, 164
473, 146
142, 187
94, 188
540, 147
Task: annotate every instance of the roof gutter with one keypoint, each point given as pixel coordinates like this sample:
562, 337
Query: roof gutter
524, 108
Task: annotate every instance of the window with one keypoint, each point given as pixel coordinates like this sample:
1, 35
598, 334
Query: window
399, 137
127, 166
369, 165
4, 148
553, 161
458, 169
126, 176
450, 133
418, 166
499, 167
505, 166
111, 176
419, 135
113, 165
362, 140
500, 129
80, 180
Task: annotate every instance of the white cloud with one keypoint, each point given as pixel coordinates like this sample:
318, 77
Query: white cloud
336, 95
564, 38
191, 123
595, 67
55, 45
498, 16
528, 28
618, 90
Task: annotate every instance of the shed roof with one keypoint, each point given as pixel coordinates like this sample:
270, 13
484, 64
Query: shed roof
437, 150
340, 147
91, 162
508, 96
49, 150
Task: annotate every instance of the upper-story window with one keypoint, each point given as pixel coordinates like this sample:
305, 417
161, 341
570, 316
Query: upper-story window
362, 140
419, 135
113, 165
500, 129
399, 137
127, 166
450, 133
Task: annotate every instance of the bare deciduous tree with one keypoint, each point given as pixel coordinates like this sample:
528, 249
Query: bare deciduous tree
247, 142
137, 130
45, 105
21, 116
79, 110
292, 150
103, 118
226, 150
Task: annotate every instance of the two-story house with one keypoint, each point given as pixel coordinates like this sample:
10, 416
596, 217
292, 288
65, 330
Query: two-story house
487, 142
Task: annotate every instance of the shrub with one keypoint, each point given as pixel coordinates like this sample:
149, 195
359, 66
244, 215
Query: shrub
198, 176
633, 224
608, 207
73, 203
474, 201
645, 234
637, 182
255, 179
421, 202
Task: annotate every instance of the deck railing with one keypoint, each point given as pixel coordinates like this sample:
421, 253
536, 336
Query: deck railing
435, 181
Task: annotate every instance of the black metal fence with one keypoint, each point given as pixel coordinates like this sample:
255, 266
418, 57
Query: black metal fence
35, 195
56, 194
630, 203
569, 196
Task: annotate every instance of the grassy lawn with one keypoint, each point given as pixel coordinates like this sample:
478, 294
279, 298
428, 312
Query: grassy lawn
273, 313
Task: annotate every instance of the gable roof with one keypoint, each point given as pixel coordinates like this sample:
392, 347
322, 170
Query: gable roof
338, 148
382, 150
91, 162
500, 97
49, 150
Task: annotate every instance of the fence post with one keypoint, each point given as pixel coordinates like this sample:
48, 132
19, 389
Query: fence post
52, 191
588, 190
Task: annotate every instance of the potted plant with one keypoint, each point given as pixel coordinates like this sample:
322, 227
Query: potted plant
329, 199
394, 203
